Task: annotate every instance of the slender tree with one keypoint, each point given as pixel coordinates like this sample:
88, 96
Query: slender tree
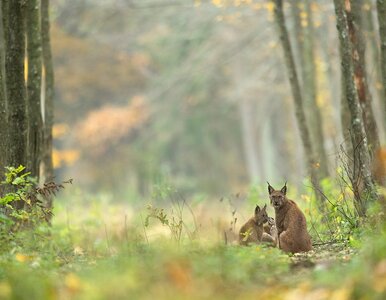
34, 78
248, 134
359, 140
304, 32
48, 91
312, 167
381, 9
354, 20
373, 46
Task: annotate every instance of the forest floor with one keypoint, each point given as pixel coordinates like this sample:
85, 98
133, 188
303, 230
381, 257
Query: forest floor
105, 251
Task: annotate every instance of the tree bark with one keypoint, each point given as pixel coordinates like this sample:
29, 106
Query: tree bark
354, 19
359, 139
381, 10
3, 116
305, 41
48, 92
34, 54
372, 45
345, 118
14, 36
15, 92
312, 167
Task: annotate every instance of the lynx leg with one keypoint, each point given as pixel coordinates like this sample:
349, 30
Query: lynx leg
285, 242
273, 232
268, 239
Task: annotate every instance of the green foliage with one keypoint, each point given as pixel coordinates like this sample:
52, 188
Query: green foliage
14, 177
19, 185
340, 221
23, 202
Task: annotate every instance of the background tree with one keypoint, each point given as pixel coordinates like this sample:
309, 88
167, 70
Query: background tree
298, 100
354, 19
359, 139
381, 9
34, 80
192, 66
305, 45
374, 71
48, 95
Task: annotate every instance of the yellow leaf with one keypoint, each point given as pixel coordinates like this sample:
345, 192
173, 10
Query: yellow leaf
218, 3
72, 282
305, 198
340, 198
59, 130
21, 257
270, 6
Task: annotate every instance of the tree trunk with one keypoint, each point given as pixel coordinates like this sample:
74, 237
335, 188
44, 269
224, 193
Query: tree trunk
312, 167
3, 116
248, 135
305, 40
345, 118
15, 92
14, 29
34, 54
48, 92
354, 19
359, 140
372, 45
381, 9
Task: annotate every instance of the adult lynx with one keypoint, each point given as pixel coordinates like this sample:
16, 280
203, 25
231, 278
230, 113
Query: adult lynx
290, 222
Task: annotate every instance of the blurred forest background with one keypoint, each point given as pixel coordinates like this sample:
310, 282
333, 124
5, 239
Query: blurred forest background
196, 92
170, 116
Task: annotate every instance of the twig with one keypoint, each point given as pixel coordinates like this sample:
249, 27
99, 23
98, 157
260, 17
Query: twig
107, 238
144, 229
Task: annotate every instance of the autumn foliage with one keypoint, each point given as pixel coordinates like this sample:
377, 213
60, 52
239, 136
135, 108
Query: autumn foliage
103, 129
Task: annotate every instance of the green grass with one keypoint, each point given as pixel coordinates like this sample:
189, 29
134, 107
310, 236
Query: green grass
97, 249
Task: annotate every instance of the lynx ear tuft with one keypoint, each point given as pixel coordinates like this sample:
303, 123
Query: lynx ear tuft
284, 188
270, 188
257, 209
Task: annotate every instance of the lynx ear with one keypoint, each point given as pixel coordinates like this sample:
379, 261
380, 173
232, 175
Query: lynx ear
270, 188
265, 207
284, 188
257, 209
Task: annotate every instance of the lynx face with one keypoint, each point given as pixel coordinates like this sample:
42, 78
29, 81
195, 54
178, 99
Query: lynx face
277, 197
261, 215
